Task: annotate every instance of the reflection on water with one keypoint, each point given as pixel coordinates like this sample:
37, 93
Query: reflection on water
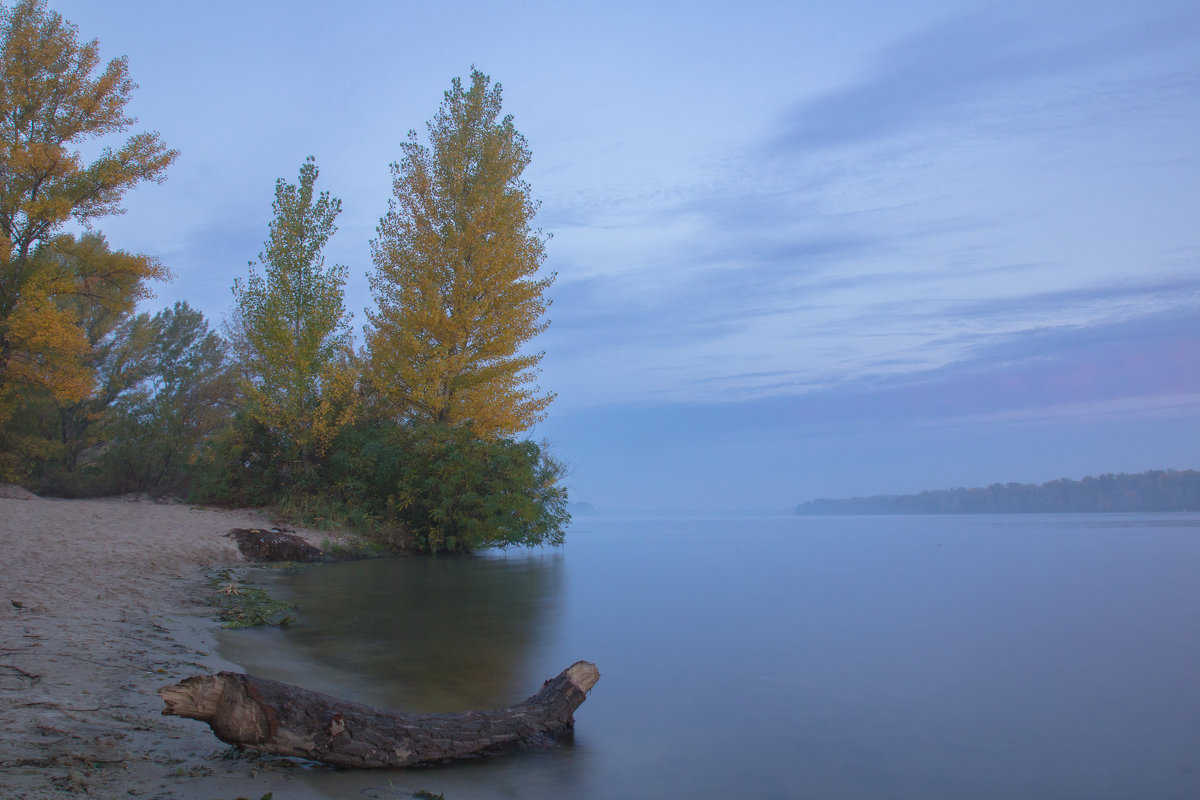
441, 634
867, 658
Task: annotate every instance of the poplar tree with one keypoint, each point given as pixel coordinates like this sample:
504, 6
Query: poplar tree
291, 329
456, 279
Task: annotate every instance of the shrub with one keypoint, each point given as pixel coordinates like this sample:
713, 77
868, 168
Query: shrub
426, 488
439, 488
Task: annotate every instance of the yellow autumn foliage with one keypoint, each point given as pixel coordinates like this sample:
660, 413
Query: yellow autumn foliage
55, 97
73, 293
456, 279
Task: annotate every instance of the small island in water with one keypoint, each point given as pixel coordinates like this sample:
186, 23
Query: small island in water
1155, 490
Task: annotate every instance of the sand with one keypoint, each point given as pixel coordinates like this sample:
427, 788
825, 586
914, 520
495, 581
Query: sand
101, 603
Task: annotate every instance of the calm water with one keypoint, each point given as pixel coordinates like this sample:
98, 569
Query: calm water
856, 657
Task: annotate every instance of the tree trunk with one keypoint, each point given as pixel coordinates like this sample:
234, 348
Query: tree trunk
278, 718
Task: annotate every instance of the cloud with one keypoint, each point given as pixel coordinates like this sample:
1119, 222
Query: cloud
1126, 364
721, 336
791, 269
1126, 368
958, 66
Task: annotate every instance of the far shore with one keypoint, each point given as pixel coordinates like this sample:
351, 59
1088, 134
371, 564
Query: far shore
101, 603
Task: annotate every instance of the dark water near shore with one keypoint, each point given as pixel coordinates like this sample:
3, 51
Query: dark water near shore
838, 657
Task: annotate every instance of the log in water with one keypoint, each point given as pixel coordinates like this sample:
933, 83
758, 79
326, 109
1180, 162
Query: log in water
289, 720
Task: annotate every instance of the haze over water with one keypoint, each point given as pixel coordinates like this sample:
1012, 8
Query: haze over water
1045, 656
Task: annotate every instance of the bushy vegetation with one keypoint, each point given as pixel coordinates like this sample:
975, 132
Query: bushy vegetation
406, 486
439, 487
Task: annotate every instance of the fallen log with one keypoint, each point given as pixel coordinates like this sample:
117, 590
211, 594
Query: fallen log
257, 544
288, 720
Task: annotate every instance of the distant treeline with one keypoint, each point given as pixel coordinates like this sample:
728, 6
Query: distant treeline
1156, 490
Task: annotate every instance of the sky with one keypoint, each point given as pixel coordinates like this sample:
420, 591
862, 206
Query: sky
802, 250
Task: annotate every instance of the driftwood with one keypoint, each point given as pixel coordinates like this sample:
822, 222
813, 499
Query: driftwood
279, 718
257, 544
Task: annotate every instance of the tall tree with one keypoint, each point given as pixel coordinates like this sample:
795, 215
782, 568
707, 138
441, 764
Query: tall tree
456, 278
291, 329
53, 100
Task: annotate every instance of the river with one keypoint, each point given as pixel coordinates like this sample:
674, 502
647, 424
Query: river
1040, 656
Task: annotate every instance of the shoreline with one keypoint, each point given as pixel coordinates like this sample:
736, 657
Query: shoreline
102, 602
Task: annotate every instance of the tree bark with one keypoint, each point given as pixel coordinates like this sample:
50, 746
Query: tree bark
279, 718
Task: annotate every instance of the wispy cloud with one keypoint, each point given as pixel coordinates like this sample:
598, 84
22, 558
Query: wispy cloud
927, 237
960, 66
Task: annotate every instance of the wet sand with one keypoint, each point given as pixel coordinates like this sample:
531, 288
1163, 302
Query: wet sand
101, 603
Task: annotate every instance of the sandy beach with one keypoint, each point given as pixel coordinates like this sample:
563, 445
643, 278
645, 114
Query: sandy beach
102, 602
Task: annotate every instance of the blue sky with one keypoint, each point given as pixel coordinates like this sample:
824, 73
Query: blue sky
803, 250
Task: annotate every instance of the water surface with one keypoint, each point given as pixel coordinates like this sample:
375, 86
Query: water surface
1032, 656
